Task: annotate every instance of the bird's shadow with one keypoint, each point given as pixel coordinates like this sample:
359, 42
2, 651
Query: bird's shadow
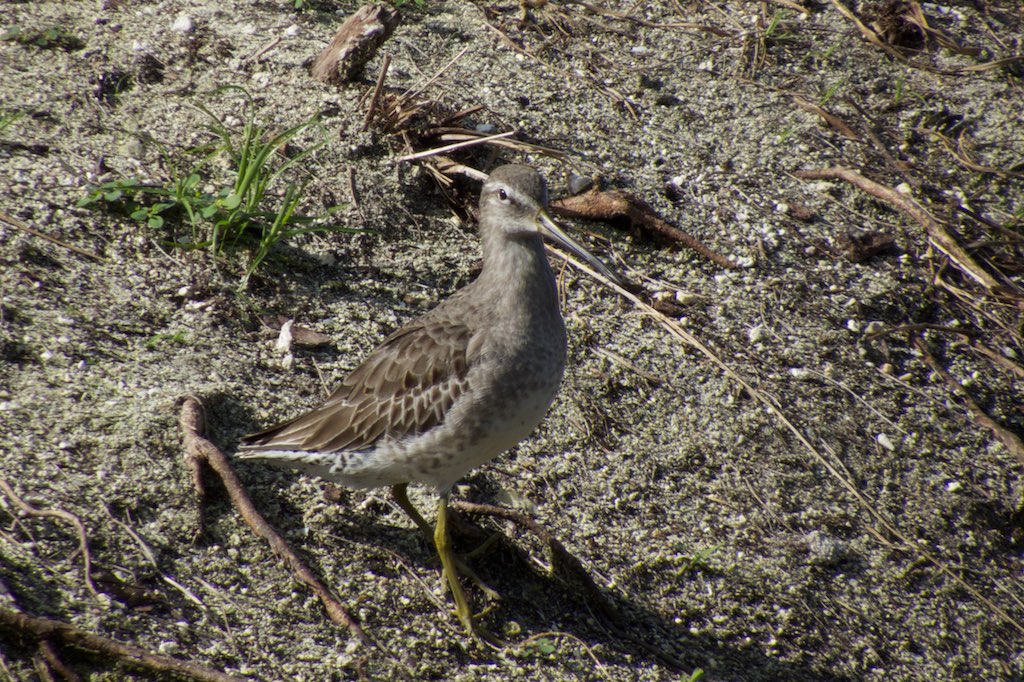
539, 602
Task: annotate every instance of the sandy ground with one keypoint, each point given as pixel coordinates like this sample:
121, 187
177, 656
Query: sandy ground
884, 544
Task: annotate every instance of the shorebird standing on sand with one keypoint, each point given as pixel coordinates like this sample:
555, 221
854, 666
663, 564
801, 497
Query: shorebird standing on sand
454, 388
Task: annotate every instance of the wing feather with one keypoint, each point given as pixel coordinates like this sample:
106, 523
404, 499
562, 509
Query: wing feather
403, 388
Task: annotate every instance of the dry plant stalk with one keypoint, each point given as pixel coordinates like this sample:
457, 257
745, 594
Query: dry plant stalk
355, 43
829, 118
916, 17
912, 546
14, 222
428, 134
961, 155
1008, 438
938, 236
49, 632
83, 538
429, 138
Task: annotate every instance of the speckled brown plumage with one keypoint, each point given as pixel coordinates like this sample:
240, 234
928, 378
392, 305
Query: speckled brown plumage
456, 387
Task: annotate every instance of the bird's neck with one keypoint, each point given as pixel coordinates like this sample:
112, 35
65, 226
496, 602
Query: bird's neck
517, 266
518, 281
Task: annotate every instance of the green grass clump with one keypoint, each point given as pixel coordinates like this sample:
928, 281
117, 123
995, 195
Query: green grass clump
52, 38
246, 210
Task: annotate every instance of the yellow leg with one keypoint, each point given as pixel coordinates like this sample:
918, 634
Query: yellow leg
401, 497
444, 550
452, 566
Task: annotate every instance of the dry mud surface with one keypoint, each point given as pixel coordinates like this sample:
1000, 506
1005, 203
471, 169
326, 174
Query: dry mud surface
883, 546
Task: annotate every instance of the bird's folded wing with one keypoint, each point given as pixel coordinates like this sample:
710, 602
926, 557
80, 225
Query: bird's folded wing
405, 387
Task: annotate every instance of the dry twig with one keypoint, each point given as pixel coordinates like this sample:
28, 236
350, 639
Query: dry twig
938, 236
829, 118
897, 165
46, 630
962, 156
875, 39
83, 539
50, 659
597, 205
999, 359
912, 547
1008, 438
14, 222
600, 11
472, 141
385, 64
199, 448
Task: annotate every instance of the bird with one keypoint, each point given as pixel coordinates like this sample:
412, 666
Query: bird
454, 388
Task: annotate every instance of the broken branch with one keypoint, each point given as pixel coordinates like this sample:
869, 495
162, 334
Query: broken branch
198, 447
44, 629
597, 205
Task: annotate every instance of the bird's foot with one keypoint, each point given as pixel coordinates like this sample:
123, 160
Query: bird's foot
474, 628
451, 568
464, 569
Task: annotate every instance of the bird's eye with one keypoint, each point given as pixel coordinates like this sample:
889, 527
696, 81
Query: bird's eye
503, 195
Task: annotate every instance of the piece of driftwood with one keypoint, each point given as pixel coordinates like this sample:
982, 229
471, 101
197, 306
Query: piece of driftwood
609, 205
355, 43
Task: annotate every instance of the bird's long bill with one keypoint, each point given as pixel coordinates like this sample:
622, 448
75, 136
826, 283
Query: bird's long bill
549, 228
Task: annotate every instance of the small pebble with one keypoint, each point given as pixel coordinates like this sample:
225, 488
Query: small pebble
801, 373
874, 326
183, 24
169, 647
578, 184
284, 339
686, 298
824, 549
